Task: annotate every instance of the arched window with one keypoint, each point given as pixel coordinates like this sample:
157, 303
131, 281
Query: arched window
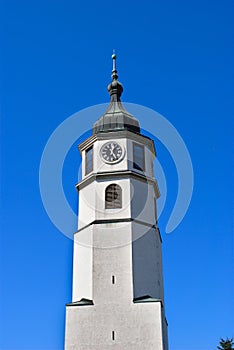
113, 197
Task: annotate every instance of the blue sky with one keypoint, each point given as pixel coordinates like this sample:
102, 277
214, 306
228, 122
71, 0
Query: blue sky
175, 57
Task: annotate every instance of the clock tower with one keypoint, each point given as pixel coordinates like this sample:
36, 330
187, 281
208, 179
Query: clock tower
117, 298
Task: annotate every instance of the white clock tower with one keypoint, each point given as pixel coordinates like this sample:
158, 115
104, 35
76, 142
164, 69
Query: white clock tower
117, 299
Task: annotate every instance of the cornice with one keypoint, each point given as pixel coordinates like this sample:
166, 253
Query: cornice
118, 134
111, 221
119, 174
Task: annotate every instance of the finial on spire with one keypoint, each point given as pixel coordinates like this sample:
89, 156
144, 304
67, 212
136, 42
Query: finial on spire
115, 88
114, 60
114, 70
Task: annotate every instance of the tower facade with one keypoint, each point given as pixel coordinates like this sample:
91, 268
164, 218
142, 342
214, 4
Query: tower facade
117, 298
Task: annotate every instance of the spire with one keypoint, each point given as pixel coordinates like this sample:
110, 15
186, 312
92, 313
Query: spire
116, 117
114, 70
114, 62
115, 88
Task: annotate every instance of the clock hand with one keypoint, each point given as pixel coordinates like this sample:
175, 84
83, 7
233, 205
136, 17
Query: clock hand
112, 151
112, 154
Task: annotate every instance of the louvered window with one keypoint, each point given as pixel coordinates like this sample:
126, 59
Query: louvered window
89, 160
138, 157
113, 197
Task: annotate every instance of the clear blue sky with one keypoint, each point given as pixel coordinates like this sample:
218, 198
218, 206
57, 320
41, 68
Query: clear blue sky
173, 56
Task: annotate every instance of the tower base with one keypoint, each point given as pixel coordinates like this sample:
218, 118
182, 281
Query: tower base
140, 325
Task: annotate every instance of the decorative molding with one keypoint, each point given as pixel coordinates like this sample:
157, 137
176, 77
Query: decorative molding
120, 134
111, 221
116, 174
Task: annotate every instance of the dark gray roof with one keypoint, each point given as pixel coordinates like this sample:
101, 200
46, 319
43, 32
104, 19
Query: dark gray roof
116, 117
146, 299
81, 302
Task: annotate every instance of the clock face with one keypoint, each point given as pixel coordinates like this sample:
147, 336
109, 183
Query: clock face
111, 152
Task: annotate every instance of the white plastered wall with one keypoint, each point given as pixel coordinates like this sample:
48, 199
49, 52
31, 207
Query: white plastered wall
135, 326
